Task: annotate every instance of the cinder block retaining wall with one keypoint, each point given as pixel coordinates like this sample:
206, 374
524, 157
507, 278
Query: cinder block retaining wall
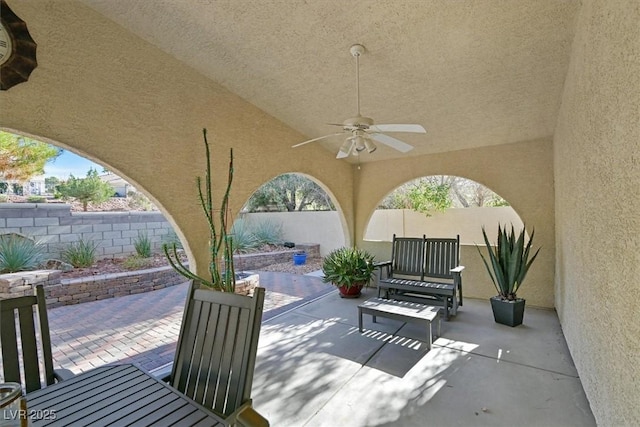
74, 291
61, 292
55, 226
258, 260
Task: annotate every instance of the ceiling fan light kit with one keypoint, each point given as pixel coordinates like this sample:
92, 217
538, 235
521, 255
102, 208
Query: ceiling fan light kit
362, 130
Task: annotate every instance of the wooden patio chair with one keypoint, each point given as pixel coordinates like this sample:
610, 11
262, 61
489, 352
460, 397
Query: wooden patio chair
25, 346
216, 352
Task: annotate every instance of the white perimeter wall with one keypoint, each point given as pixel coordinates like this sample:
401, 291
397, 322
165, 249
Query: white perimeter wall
324, 228
466, 222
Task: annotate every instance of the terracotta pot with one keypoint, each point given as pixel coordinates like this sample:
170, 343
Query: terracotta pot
351, 291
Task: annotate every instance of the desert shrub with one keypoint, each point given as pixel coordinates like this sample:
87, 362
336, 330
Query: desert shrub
170, 239
137, 262
242, 237
267, 232
81, 253
142, 244
36, 199
18, 253
137, 200
4, 198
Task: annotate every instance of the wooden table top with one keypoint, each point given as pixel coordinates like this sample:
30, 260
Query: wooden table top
118, 395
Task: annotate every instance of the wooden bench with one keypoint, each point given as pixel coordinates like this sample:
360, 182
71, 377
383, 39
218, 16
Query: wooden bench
423, 270
402, 310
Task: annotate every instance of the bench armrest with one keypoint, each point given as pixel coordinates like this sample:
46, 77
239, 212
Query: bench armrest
383, 265
458, 269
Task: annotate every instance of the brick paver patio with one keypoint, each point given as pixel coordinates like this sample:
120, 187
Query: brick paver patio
144, 328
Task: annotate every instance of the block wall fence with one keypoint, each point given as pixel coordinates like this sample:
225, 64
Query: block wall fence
55, 226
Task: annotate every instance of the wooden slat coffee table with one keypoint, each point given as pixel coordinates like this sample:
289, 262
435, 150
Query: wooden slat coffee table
402, 310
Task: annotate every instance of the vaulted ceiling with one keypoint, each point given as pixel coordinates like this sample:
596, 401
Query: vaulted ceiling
473, 73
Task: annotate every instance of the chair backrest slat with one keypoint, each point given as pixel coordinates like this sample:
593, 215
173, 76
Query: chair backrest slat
215, 357
441, 256
21, 353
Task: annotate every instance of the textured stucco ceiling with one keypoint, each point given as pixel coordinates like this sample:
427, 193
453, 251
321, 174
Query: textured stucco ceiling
473, 73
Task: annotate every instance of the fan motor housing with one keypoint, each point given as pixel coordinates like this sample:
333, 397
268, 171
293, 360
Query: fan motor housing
359, 122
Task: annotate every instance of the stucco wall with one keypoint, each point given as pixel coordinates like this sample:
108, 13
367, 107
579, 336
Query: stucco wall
597, 171
113, 98
521, 173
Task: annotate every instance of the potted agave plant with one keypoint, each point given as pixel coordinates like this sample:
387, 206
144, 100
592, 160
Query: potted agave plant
508, 265
221, 271
349, 269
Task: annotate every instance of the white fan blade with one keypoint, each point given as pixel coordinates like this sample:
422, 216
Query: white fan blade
397, 128
317, 139
391, 142
345, 153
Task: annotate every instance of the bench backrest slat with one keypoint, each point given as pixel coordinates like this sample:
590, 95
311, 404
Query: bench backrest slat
441, 256
407, 255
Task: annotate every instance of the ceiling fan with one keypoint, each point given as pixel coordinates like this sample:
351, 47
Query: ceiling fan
362, 130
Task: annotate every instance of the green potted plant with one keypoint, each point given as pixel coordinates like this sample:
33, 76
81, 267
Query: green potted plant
508, 265
221, 270
349, 269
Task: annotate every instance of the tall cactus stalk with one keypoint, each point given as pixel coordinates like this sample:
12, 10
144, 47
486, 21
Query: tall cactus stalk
221, 270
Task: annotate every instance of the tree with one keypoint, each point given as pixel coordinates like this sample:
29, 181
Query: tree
440, 192
23, 158
290, 192
425, 195
89, 189
50, 183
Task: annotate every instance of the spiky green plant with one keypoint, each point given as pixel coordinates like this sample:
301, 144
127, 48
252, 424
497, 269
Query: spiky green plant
243, 239
142, 244
348, 267
222, 275
18, 253
509, 260
267, 232
81, 254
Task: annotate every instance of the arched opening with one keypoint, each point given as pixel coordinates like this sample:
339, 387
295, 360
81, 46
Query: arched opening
297, 209
47, 178
440, 206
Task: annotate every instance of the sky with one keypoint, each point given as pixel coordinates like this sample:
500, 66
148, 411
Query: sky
70, 164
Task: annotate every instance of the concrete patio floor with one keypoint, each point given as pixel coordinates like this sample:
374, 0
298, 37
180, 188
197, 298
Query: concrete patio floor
315, 369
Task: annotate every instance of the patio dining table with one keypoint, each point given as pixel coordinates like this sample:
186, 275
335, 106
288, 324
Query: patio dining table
115, 395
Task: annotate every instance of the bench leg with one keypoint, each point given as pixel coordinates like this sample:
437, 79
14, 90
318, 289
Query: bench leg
429, 336
374, 318
359, 319
438, 325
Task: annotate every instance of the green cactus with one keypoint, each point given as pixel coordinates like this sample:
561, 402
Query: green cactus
221, 270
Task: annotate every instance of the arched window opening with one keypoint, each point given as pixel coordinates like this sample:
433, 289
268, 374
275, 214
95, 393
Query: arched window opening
289, 192
291, 208
440, 206
42, 180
